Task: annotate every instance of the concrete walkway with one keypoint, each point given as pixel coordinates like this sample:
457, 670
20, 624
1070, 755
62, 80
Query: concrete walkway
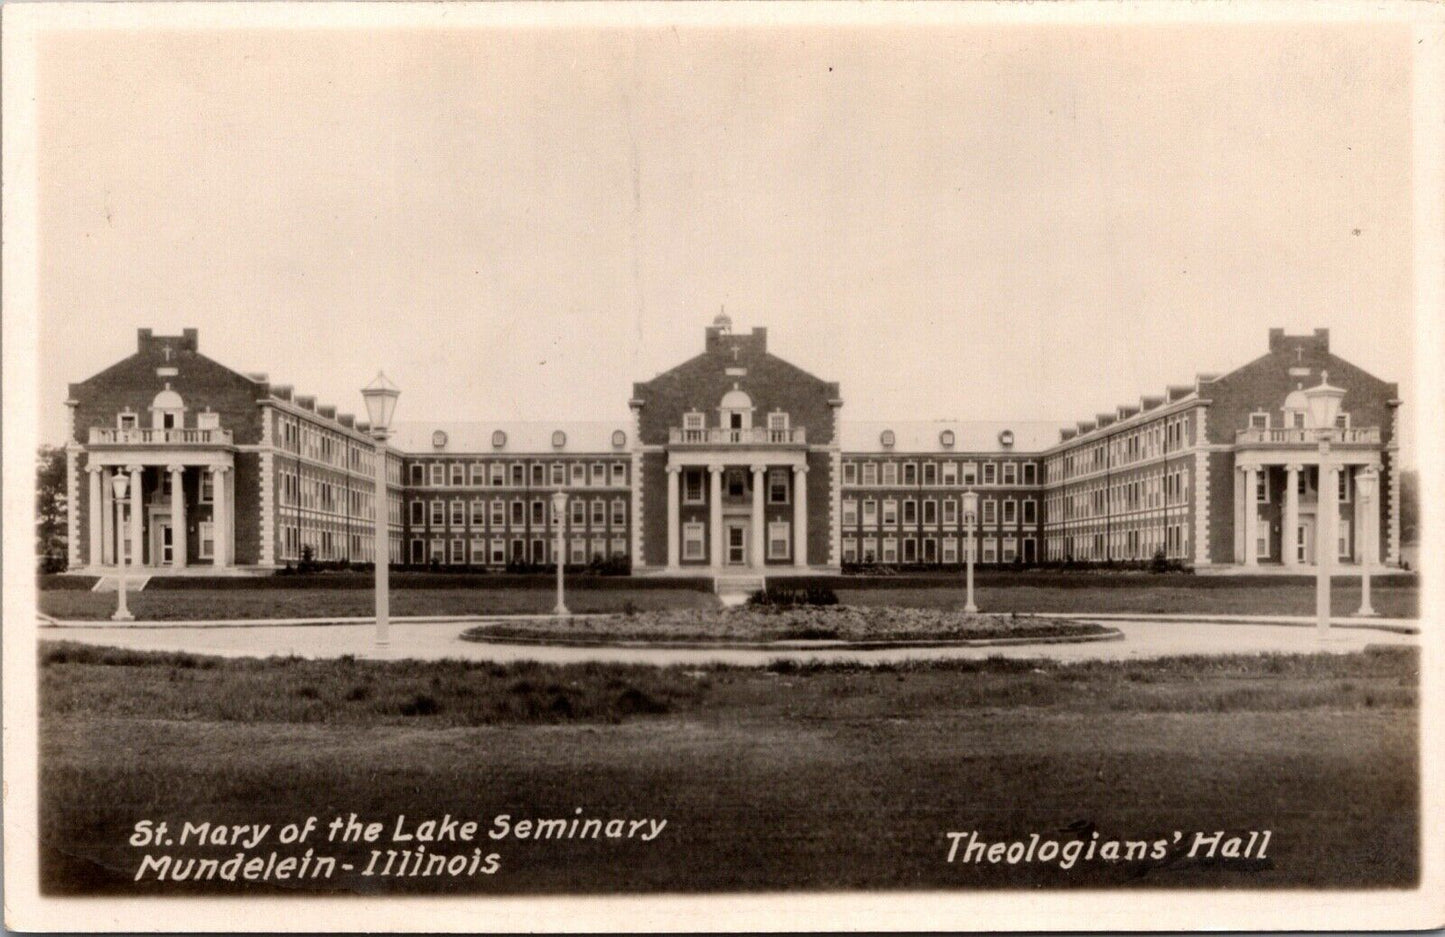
435, 640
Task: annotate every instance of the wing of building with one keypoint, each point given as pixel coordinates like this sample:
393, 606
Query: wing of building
733, 461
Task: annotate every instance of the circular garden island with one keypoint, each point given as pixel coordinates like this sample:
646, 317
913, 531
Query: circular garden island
798, 626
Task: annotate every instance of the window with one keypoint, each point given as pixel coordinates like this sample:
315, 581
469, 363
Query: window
692, 486
438, 547
850, 512
207, 545
870, 473
479, 473
208, 486
950, 511
910, 511
578, 551
498, 474
539, 513
579, 513
459, 552
890, 550
579, 474
990, 473
870, 512
559, 474
1344, 480
599, 514
619, 513
499, 513
870, 550
990, 550
208, 419
1261, 485
458, 474
1031, 509
519, 475
950, 549
539, 475
692, 548
458, 519
777, 486
890, 513
1030, 475
890, 473
599, 474
619, 546
418, 474
930, 511
850, 473
930, 473
910, 473
778, 540
778, 427
692, 421
126, 421
499, 551
479, 552
1010, 549
910, 550
970, 473
619, 474
1010, 473
418, 513
418, 551
850, 549
438, 474
950, 473
1344, 539
1010, 511
479, 516
1259, 420
737, 483
437, 516
559, 439
990, 512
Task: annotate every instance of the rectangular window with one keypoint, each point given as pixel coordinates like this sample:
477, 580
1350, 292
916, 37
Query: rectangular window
1010, 473
418, 474
990, 473
458, 474
499, 551
870, 473
559, 474
890, 513
990, 550
479, 515
778, 540
579, 513
599, 475
599, 514
890, 550
208, 486
207, 545
692, 421
910, 473
870, 550
127, 421
539, 513
418, 513
438, 550
910, 511
437, 514
519, 516
970, 473
736, 483
850, 549
459, 555
990, 512
930, 511
479, 552
499, 512
579, 474
498, 474
438, 474
1031, 510
519, 475
619, 546
950, 549
458, 518
692, 486
619, 474
1030, 473
850, 512
1010, 511
930, 473
1010, 549
418, 550
850, 473
692, 548
870, 512
910, 550
539, 475
1344, 480
950, 473
1259, 421
950, 511
778, 486
479, 474
890, 473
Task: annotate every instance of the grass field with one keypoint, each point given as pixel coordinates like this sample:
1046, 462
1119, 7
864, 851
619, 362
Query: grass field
789, 777
1398, 598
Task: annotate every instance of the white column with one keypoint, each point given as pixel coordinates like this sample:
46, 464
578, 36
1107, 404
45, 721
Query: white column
137, 518
1251, 516
760, 478
1327, 523
714, 520
1358, 514
107, 518
800, 515
96, 510
178, 516
1370, 525
1289, 535
220, 518
674, 525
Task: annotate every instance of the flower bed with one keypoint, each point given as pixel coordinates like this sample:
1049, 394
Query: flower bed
747, 624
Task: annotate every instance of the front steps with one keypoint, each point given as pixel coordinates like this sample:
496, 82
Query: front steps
734, 589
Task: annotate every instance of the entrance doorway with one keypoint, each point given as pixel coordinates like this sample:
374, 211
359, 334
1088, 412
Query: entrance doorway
737, 543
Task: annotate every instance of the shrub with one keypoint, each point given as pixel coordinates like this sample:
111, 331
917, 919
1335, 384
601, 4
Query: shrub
421, 704
783, 597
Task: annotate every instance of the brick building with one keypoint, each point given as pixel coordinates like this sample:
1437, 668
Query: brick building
734, 461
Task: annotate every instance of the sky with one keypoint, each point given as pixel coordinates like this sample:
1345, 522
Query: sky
973, 222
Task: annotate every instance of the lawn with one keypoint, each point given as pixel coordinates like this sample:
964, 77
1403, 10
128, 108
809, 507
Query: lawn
789, 777
199, 604
747, 624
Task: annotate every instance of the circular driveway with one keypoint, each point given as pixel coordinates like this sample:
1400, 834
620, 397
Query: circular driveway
1142, 640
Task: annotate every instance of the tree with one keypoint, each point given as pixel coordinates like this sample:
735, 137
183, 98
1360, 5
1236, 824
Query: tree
52, 508
1410, 506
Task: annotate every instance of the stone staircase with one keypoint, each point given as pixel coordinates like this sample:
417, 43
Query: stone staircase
734, 588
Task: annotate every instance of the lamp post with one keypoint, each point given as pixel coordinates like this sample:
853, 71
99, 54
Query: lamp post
559, 519
380, 396
1323, 402
1366, 485
970, 516
119, 483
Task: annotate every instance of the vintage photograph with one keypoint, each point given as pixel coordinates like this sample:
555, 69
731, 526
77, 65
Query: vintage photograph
506, 455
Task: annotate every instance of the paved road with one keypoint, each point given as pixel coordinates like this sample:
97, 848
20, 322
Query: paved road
1142, 639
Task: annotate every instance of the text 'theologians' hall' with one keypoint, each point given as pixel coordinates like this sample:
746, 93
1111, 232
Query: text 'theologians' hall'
734, 461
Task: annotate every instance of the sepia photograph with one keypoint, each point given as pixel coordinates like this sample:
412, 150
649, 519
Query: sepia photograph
722, 466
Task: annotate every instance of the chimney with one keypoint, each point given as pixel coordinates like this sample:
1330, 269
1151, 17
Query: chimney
191, 339
347, 420
1322, 338
282, 391
1276, 339
327, 410
143, 339
306, 402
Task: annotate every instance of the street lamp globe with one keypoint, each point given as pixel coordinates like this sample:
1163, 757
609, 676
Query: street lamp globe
1323, 401
120, 482
380, 396
970, 502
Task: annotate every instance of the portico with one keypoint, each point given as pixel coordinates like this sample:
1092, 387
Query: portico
737, 508
181, 482
1289, 503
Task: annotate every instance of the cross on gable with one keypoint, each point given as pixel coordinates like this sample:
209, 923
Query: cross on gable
1299, 353
167, 352
735, 353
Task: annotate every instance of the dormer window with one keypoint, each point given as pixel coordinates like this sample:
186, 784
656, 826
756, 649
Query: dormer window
778, 427
208, 419
168, 410
126, 420
736, 409
1259, 420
